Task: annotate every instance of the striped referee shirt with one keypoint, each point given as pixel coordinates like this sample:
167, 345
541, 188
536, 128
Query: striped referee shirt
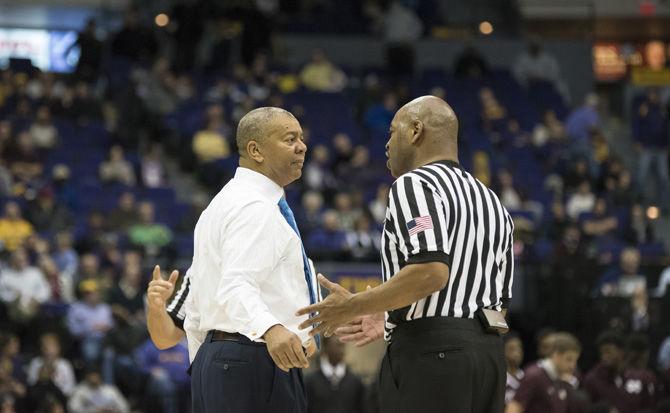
175, 307
439, 212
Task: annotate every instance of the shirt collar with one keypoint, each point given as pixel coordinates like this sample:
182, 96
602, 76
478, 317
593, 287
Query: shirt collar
333, 373
266, 186
549, 368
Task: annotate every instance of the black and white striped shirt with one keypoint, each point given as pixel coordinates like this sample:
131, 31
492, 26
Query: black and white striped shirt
439, 212
175, 307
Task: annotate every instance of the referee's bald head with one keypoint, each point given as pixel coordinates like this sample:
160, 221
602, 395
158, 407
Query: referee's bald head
255, 126
438, 118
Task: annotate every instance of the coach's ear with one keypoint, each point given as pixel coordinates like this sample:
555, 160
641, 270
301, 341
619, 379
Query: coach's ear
417, 132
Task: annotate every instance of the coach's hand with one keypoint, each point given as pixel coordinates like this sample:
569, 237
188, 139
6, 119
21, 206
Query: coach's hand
160, 290
285, 348
333, 311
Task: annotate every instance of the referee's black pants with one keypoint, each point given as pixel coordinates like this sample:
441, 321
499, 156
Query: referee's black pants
240, 377
441, 364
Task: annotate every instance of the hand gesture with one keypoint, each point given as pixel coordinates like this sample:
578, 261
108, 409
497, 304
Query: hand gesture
333, 311
362, 330
159, 290
285, 348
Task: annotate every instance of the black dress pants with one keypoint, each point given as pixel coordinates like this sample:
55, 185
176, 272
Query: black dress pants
443, 364
240, 377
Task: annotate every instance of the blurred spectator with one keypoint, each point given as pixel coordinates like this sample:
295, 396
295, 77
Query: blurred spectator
535, 64
6, 180
623, 194
90, 52
188, 18
117, 168
10, 351
91, 237
378, 205
601, 223
47, 215
577, 174
84, 106
317, 173
12, 391
147, 233
62, 373
493, 114
210, 144
361, 170
119, 365
89, 319
544, 341
343, 152
549, 130
558, 221
401, 28
152, 170
328, 241
581, 122
664, 355
134, 41
650, 131
346, 213
481, 167
310, 213
378, 117
60, 283
509, 196
43, 132
125, 215
513, 359
470, 63
640, 229
158, 88
167, 371
363, 241
92, 395
45, 392
24, 162
321, 75
333, 388
543, 388
128, 294
66, 192
198, 203
581, 201
663, 283
624, 280
14, 230
23, 288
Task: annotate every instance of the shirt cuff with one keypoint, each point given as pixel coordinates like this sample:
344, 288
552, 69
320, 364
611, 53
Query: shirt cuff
430, 256
259, 325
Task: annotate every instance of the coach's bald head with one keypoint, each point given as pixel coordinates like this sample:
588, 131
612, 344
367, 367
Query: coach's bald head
422, 131
270, 141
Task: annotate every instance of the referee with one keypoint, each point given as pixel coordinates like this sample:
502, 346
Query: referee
447, 266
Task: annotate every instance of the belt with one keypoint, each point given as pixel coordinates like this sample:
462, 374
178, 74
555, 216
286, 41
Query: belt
217, 335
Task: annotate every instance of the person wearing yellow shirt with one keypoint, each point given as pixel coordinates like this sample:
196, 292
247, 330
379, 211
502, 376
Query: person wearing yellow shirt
14, 230
209, 144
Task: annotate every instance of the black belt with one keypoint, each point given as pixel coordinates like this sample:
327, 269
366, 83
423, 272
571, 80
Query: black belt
217, 335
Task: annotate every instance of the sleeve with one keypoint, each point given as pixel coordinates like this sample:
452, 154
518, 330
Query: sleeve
249, 243
67, 380
175, 307
420, 218
507, 265
526, 391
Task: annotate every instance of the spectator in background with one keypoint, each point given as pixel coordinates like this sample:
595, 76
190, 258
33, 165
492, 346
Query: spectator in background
152, 171
378, 205
92, 395
90, 238
134, 42
601, 224
363, 241
47, 215
62, 373
544, 341
210, 144
90, 53
149, 234
513, 359
537, 64
317, 174
60, 283
580, 123
66, 193
321, 75
43, 132
328, 241
543, 388
493, 114
12, 390
128, 294
347, 214
125, 215
117, 168
167, 373
400, 28
24, 161
14, 230
509, 196
333, 388
604, 381
624, 280
44, 392
623, 194
23, 288
199, 202
641, 385
650, 132
470, 64
581, 201
89, 319
310, 214
343, 152
577, 174
85, 106
549, 131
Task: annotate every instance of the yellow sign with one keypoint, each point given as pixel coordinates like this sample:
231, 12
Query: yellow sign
644, 76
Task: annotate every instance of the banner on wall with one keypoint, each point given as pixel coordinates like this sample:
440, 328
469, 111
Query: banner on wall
48, 50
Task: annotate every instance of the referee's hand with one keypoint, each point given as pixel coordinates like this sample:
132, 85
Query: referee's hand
333, 311
362, 330
160, 290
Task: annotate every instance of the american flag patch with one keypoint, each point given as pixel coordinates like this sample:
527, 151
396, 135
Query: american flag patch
419, 224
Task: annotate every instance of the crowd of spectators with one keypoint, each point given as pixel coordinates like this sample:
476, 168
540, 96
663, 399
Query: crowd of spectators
83, 178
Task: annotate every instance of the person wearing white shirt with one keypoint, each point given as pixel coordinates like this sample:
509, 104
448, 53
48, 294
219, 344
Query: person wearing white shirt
248, 278
23, 287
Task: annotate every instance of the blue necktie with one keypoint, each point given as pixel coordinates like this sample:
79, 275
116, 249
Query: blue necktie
288, 215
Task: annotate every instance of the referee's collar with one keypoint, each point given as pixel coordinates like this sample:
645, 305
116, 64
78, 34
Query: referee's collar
448, 162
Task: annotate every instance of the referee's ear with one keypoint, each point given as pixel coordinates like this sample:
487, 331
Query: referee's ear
417, 132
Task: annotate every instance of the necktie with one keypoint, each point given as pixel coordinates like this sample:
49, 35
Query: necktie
311, 287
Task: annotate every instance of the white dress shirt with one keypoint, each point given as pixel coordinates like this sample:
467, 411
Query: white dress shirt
247, 273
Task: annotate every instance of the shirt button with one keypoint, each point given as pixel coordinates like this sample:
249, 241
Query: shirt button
441, 355
225, 367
